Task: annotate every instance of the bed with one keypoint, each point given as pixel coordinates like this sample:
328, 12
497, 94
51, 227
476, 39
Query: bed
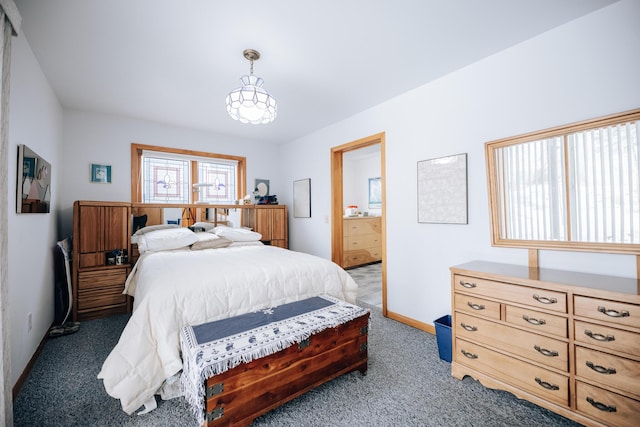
192, 278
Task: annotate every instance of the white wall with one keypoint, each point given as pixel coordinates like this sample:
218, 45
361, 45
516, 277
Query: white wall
104, 139
356, 173
584, 69
35, 119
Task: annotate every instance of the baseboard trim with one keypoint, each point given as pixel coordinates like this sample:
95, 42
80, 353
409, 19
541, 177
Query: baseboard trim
23, 377
411, 322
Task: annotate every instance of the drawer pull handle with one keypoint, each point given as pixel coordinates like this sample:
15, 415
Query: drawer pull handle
469, 327
613, 313
601, 369
475, 306
468, 285
469, 355
546, 385
601, 406
599, 337
534, 321
545, 352
544, 300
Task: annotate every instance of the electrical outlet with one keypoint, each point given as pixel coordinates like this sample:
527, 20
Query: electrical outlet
326, 219
29, 322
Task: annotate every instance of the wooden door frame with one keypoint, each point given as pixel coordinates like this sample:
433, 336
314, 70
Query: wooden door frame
337, 210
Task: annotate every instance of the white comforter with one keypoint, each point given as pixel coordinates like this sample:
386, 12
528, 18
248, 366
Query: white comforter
179, 288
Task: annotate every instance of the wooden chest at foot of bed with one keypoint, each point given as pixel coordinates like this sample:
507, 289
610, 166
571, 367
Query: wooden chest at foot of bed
238, 368
238, 396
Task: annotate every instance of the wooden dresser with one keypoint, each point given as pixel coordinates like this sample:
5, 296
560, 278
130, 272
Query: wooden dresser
362, 241
567, 341
99, 228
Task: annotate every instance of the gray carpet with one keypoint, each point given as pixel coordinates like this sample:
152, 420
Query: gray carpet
406, 385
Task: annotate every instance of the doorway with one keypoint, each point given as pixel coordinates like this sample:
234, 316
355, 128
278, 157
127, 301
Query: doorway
337, 208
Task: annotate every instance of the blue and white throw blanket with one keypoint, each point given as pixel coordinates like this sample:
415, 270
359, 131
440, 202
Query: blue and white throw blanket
215, 347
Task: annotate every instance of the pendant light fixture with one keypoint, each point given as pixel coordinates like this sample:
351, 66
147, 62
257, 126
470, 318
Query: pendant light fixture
250, 103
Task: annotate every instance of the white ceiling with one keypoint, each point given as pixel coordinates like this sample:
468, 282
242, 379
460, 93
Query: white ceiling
175, 61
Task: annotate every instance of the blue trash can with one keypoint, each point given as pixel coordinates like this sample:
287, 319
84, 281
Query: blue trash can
443, 336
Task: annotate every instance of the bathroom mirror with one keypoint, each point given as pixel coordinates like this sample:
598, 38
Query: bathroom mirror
574, 187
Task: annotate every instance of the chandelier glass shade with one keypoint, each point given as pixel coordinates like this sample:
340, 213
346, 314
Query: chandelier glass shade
250, 103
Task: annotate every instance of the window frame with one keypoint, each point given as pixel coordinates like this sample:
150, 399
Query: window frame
496, 216
136, 169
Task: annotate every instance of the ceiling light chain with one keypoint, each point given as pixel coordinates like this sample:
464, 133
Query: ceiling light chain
250, 103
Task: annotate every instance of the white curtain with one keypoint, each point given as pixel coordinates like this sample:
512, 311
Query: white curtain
10, 20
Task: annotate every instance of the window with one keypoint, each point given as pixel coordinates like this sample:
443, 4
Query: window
575, 186
175, 176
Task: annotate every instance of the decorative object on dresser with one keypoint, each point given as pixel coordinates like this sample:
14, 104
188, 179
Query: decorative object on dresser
362, 241
567, 341
101, 233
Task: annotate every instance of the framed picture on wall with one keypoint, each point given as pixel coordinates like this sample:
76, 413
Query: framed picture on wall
442, 190
375, 193
100, 174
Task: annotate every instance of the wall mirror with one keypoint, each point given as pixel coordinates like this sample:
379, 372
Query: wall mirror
574, 187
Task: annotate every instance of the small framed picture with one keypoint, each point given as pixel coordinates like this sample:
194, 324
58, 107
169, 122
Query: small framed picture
100, 174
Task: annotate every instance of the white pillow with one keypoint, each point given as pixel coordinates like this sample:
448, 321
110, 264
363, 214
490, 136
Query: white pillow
150, 228
238, 234
166, 239
210, 241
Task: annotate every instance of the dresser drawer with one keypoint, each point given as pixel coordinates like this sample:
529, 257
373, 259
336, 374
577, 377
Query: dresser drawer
537, 321
608, 369
102, 278
611, 408
533, 379
479, 306
606, 337
362, 242
544, 350
354, 227
608, 311
541, 298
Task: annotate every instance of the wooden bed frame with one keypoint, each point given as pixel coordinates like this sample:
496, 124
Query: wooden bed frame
238, 396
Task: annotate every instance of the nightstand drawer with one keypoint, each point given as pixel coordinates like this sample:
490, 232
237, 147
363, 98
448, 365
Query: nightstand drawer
102, 278
544, 350
612, 408
607, 369
537, 321
95, 298
541, 298
607, 311
479, 306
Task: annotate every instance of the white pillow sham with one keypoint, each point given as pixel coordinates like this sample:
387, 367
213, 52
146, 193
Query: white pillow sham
237, 234
166, 239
